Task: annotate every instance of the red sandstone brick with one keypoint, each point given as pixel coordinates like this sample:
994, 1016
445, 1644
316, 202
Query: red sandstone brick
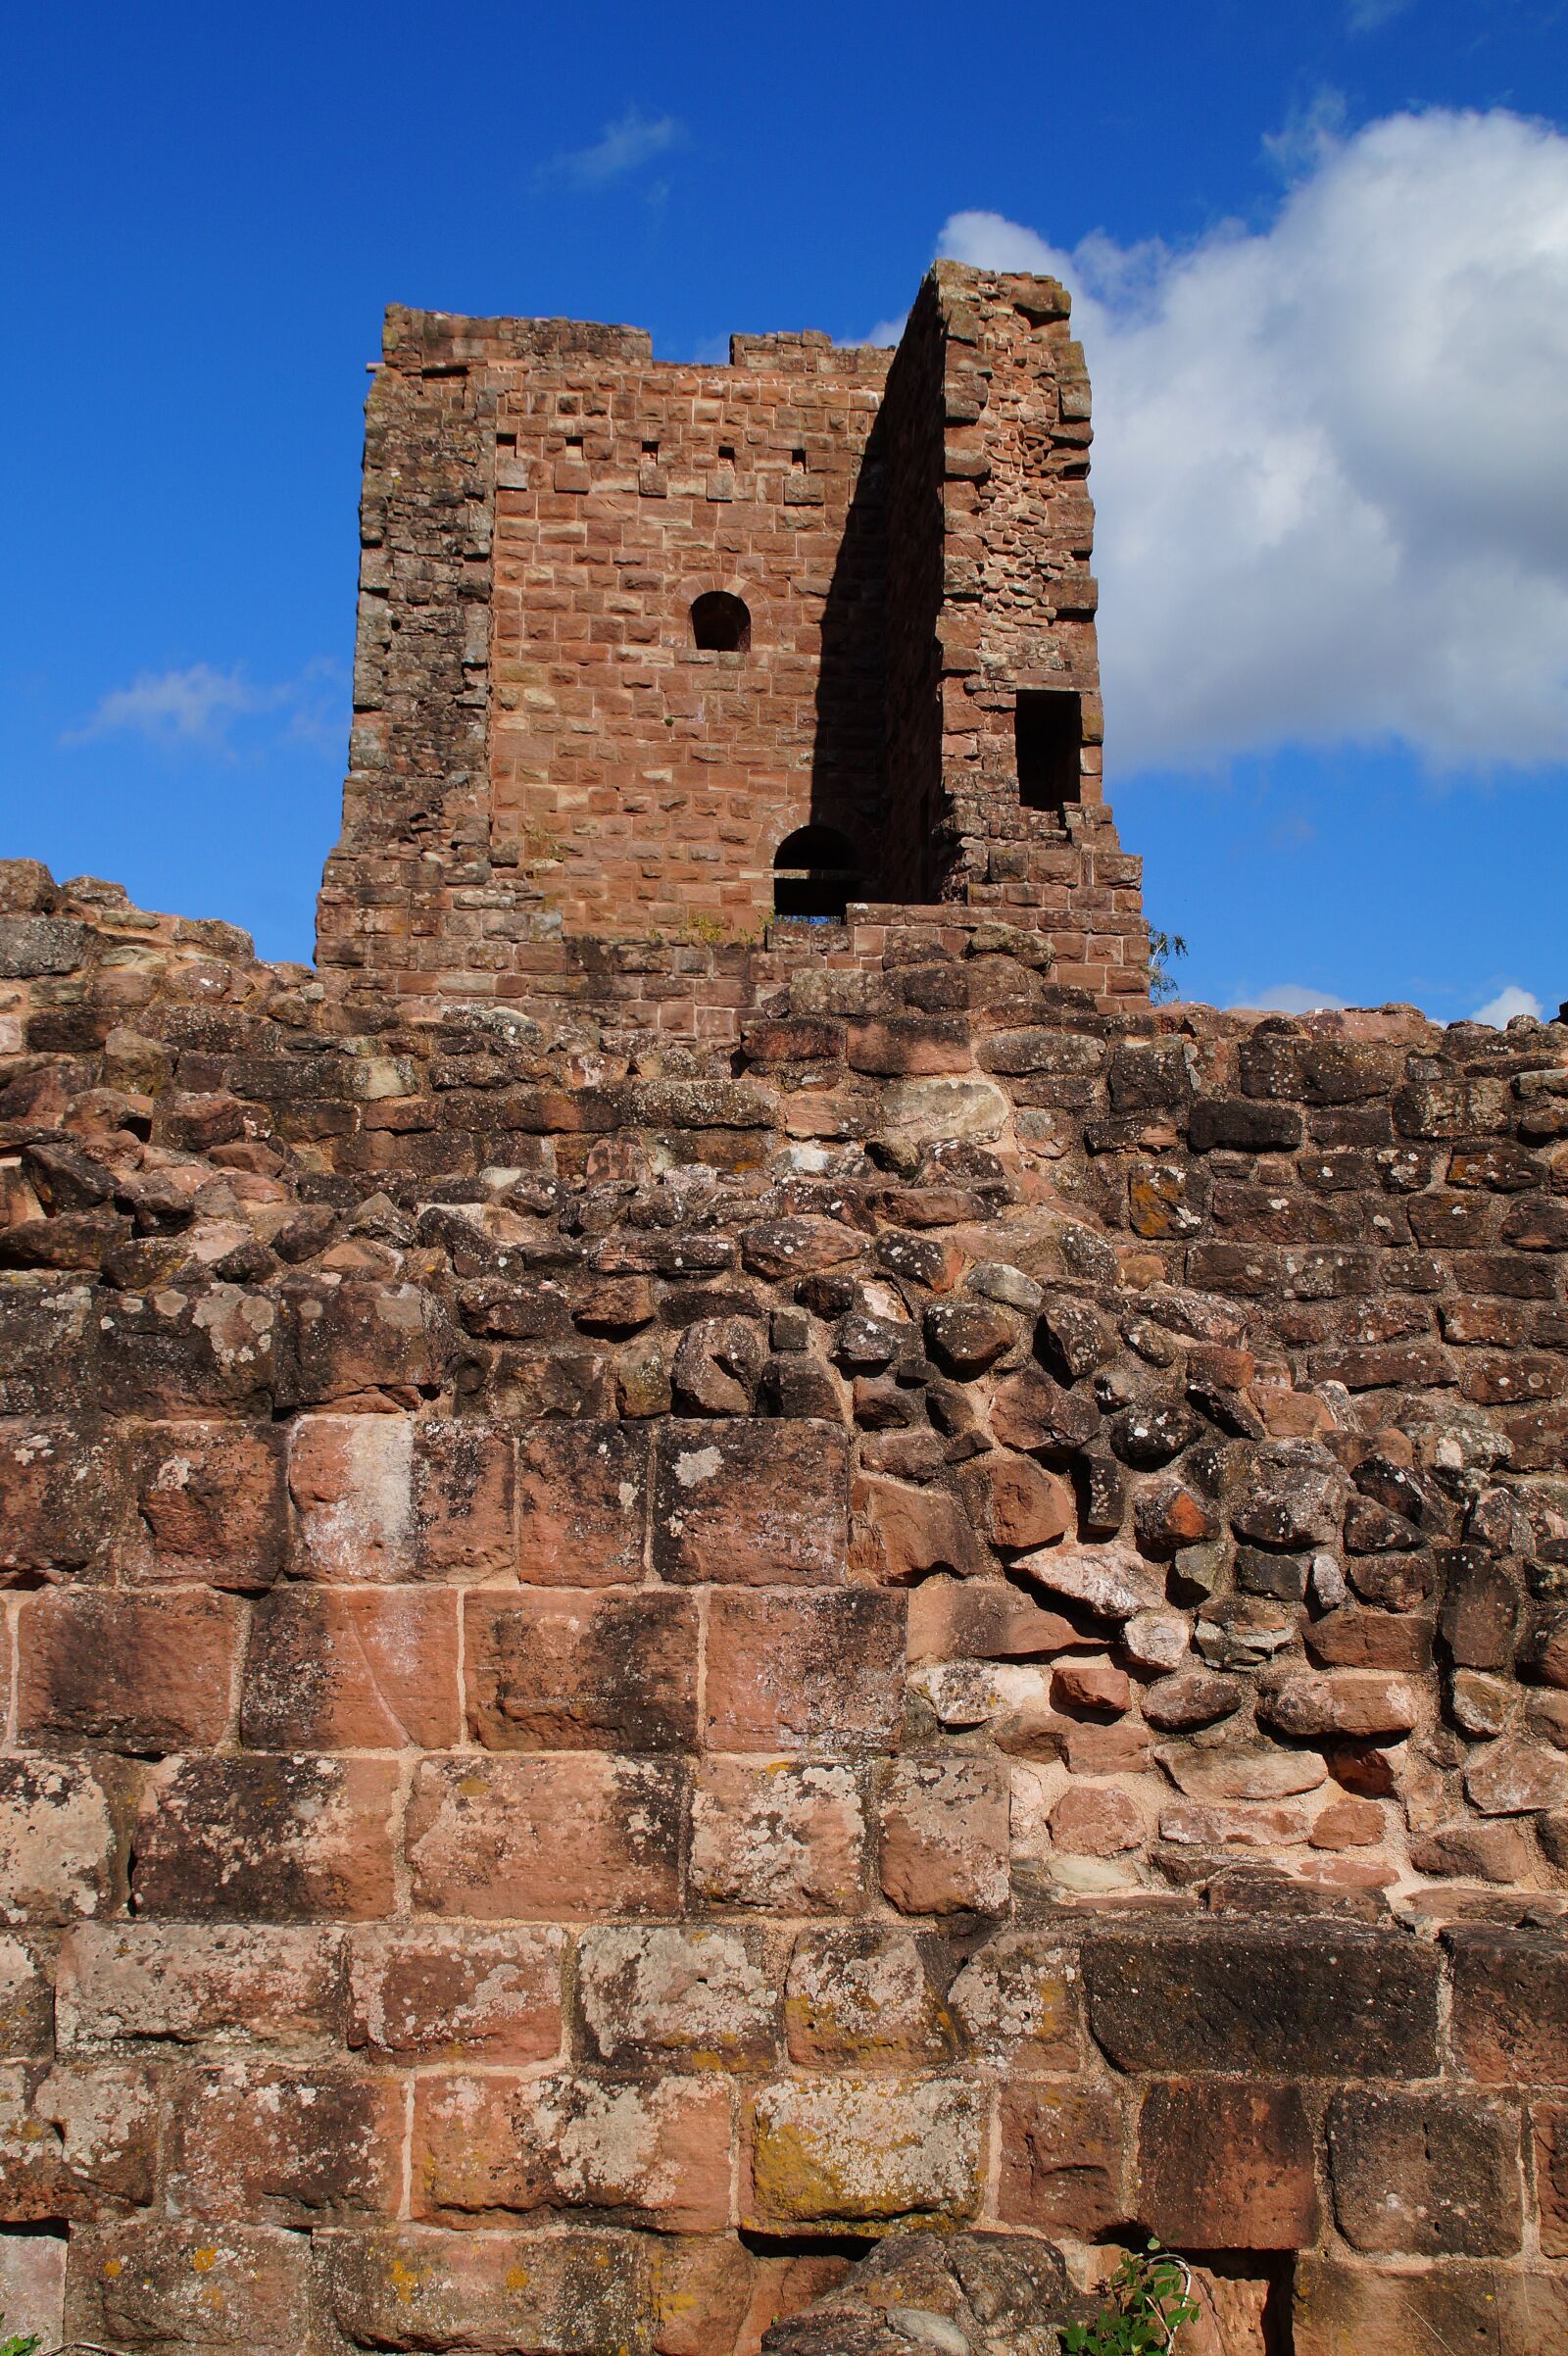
945, 1835
753, 1504
279, 1838
485, 2148
351, 1480
128, 1985
495, 2293
170, 2284
285, 2146
352, 1669
129, 1672
778, 1839
464, 1490
57, 1841
581, 1504
78, 2141
56, 1484
860, 2150
561, 1836
800, 1672
210, 1500
1227, 2166
1062, 2158
553, 1670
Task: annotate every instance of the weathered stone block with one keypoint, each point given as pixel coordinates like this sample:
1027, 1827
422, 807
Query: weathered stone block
945, 1847
352, 1669
136, 1673
79, 2141
751, 1503
285, 2146
1062, 2157
559, 1837
1431, 2175
465, 1500
1342, 2309
495, 2294
351, 1478
801, 1672
126, 1984
1510, 2006
697, 1997
864, 1999
779, 1838
1019, 2005
551, 1670
211, 1499
582, 1504
173, 2286
57, 1842
435, 1992
1227, 2166
486, 2146
1325, 1999
864, 2151
279, 1838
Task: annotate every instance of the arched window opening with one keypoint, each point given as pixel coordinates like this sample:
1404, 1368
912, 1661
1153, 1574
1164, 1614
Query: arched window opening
816, 875
720, 623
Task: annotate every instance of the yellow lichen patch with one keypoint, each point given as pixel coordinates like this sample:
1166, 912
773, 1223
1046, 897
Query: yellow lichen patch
204, 2260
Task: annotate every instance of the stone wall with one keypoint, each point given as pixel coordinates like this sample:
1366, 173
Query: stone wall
542, 752
632, 1663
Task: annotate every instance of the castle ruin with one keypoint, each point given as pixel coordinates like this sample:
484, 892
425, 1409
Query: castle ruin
740, 1613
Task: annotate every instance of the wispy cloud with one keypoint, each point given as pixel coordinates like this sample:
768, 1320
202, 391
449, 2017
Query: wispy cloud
1368, 16
622, 148
202, 709
1507, 1003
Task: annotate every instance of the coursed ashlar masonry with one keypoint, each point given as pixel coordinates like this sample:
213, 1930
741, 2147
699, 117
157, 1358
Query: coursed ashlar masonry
740, 1613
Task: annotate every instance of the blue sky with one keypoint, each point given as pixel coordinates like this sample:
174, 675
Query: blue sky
1321, 253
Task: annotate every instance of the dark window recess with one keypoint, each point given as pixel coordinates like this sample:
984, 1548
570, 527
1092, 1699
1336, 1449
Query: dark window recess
1048, 737
816, 875
720, 623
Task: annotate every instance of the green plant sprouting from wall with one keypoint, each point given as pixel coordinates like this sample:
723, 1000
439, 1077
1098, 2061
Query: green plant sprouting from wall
1151, 2300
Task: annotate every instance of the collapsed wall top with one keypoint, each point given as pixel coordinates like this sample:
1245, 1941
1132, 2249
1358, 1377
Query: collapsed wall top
650, 647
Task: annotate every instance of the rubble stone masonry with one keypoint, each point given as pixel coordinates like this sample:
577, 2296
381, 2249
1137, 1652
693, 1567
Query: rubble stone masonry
682, 1608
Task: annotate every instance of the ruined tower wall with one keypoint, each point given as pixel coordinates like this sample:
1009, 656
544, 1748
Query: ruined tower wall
627, 1672
543, 757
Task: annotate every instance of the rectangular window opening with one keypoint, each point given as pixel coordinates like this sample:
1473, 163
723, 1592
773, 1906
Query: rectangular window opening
1047, 738
650, 449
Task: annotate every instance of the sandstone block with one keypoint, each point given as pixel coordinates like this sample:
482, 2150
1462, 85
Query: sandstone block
864, 1999
864, 2150
351, 1478
173, 2285
491, 2293
465, 1500
1364, 1704
1510, 2006
557, 1670
280, 1837
211, 1499
57, 1486
455, 1992
904, 1532
1325, 1999
1096, 1820
582, 1504
1430, 2175
275, 2146
32, 2283
352, 1669
79, 2141
945, 1847
127, 1984
801, 1672
57, 1842
136, 1673
1018, 2003
985, 1620
27, 2001
488, 2146
1062, 2158
779, 1838
1507, 2310
698, 1997
560, 1835
751, 1503
1229, 2166
1551, 2121
1015, 1502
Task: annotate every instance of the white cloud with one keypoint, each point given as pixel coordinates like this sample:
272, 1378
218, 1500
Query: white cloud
1507, 1003
200, 709
622, 146
1329, 461
1290, 997
1368, 16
